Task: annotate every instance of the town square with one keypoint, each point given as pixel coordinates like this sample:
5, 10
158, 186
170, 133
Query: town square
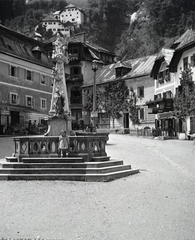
97, 119
157, 203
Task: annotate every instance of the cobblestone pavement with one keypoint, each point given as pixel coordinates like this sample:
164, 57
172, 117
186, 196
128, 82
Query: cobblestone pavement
156, 204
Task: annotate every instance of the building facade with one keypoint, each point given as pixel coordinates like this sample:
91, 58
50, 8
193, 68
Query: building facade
166, 73
136, 75
73, 15
51, 23
25, 81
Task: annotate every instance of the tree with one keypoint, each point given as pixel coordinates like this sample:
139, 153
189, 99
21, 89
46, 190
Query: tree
116, 94
111, 98
44, 33
133, 108
184, 101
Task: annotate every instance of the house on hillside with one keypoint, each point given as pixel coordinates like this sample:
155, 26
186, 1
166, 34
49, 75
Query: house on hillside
66, 21
74, 15
136, 75
25, 81
53, 24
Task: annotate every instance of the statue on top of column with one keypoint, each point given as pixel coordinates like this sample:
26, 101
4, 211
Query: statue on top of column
59, 102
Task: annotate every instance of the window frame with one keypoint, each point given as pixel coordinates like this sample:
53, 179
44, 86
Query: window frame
27, 75
43, 100
41, 79
16, 101
14, 69
139, 95
32, 101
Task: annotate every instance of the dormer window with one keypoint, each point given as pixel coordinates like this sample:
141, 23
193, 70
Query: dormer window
37, 52
121, 71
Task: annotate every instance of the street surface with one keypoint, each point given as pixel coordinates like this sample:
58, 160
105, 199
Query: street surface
156, 204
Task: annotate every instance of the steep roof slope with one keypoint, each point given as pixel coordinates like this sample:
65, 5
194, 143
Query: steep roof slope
139, 67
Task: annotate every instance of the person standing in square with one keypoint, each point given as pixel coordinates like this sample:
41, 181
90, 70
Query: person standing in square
63, 143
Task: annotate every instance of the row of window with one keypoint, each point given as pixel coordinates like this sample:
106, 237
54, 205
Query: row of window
186, 64
69, 15
29, 100
70, 9
58, 29
167, 94
29, 75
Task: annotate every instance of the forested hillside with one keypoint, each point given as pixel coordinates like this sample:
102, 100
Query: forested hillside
130, 28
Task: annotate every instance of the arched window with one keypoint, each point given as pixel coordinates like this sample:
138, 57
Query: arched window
76, 95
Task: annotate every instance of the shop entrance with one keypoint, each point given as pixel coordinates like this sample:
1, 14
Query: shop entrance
15, 117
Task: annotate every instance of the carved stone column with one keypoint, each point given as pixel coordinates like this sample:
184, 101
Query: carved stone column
59, 114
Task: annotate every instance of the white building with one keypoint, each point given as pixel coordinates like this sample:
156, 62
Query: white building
72, 14
52, 23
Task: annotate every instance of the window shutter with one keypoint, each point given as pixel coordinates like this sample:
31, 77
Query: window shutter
32, 76
18, 99
33, 102
138, 92
10, 98
25, 74
164, 95
9, 70
17, 71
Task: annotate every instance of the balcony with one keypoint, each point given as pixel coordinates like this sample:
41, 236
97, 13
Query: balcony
72, 78
164, 79
74, 58
160, 105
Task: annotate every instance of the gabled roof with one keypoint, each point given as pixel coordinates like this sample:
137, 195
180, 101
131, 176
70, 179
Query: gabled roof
72, 6
49, 18
185, 42
164, 55
53, 38
187, 38
123, 64
98, 48
140, 67
20, 46
68, 24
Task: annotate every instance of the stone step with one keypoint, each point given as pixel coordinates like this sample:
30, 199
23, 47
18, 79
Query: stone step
69, 177
62, 165
53, 160
65, 170
100, 159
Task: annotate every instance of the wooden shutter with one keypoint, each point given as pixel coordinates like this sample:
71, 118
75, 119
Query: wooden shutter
33, 102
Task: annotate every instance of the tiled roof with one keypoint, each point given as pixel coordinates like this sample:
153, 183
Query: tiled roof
187, 38
97, 48
20, 46
50, 18
165, 53
140, 66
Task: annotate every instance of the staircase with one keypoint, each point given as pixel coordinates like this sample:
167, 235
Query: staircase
100, 169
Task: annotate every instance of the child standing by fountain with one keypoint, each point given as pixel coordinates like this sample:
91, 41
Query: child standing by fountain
63, 143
